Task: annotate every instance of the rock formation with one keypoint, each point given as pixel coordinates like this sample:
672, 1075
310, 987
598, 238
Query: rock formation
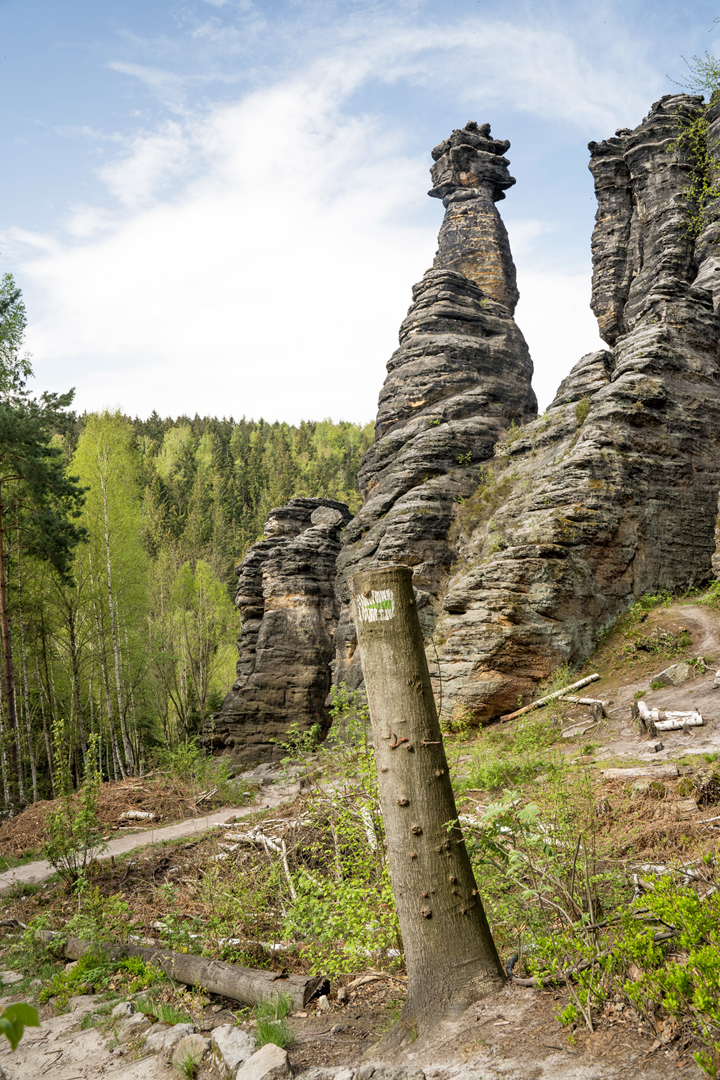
286, 597
526, 536
613, 492
460, 377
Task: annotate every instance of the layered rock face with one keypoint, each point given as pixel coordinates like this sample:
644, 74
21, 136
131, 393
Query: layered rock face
614, 491
289, 611
460, 377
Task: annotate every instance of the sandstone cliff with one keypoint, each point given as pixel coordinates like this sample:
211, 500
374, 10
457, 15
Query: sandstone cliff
460, 377
289, 613
613, 491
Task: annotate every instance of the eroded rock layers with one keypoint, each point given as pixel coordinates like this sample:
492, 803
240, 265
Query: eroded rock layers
613, 492
289, 612
460, 377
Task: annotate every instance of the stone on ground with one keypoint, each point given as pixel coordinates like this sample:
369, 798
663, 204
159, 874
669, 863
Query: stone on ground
270, 1062
674, 675
163, 1038
193, 1047
231, 1047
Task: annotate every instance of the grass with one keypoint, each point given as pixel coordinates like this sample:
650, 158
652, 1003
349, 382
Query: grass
169, 1014
271, 1026
9, 862
188, 1064
505, 758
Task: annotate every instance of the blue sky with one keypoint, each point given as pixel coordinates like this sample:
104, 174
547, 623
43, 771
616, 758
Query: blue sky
220, 205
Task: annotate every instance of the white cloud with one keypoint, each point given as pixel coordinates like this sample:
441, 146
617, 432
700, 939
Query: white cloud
555, 317
153, 162
263, 260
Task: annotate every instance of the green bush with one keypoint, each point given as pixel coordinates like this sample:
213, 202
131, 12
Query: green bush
73, 829
99, 971
190, 767
343, 924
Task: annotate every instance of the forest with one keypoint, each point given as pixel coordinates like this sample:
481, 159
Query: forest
118, 542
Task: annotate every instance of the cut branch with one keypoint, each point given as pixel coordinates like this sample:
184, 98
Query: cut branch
551, 697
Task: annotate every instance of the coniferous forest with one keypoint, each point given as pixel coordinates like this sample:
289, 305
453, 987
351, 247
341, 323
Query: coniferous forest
119, 538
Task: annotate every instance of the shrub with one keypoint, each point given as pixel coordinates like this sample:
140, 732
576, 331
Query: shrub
73, 830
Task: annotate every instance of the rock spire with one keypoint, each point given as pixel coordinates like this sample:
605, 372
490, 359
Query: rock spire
614, 491
470, 175
286, 598
460, 378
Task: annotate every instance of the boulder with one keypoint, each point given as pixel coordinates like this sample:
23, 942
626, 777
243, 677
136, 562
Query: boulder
231, 1047
123, 1009
163, 1038
136, 1025
190, 1048
674, 675
270, 1062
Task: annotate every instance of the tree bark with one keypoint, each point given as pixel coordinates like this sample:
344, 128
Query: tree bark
247, 985
26, 682
15, 782
127, 745
450, 954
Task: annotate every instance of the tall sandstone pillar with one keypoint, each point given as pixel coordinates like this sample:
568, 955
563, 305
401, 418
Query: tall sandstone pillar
613, 492
460, 377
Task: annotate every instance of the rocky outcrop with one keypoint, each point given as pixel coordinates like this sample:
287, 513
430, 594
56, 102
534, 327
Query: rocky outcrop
460, 377
613, 492
289, 613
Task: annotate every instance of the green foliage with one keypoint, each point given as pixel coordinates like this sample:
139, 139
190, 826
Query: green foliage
188, 1064
344, 922
14, 368
14, 1019
274, 1031
479, 507
465, 459
660, 953
581, 410
188, 766
502, 759
538, 861
299, 742
98, 917
350, 731
101, 973
702, 193
703, 75
72, 828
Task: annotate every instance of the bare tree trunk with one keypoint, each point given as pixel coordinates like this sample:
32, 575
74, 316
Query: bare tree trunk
26, 685
230, 980
3, 759
117, 760
127, 745
16, 792
46, 732
76, 679
450, 954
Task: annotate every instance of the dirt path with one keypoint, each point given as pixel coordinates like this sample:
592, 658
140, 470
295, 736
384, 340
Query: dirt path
36, 872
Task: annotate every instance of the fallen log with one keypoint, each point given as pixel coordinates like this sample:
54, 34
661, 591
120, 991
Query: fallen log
584, 700
654, 772
247, 985
550, 697
654, 720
